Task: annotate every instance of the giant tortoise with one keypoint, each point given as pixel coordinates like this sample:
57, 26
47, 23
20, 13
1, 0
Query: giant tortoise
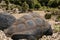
30, 26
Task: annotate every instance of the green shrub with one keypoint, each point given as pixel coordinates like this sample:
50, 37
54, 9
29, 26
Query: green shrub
43, 2
11, 6
43, 8
53, 3
48, 9
25, 7
37, 6
47, 16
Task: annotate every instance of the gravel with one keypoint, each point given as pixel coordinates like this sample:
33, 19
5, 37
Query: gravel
3, 36
55, 36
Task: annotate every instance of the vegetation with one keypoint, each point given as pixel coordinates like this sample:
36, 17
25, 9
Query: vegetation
34, 4
47, 16
25, 7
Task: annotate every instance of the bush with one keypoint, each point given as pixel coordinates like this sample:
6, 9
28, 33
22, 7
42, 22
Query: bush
6, 20
47, 16
53, 3
37, 6
11, 6
25, 7
43, 2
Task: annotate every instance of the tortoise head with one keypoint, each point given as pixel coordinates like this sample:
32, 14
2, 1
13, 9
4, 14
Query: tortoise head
48, 31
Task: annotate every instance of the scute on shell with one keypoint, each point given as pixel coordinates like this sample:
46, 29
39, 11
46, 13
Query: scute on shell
27, 17
20, 20
35, 14
38, 21
30, 23
20, 27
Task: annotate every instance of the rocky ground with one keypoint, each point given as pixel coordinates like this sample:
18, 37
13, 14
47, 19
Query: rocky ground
3, 36
55, 36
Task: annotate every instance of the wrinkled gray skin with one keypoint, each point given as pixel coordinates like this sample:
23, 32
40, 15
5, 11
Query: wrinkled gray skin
31, 27
6, 20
